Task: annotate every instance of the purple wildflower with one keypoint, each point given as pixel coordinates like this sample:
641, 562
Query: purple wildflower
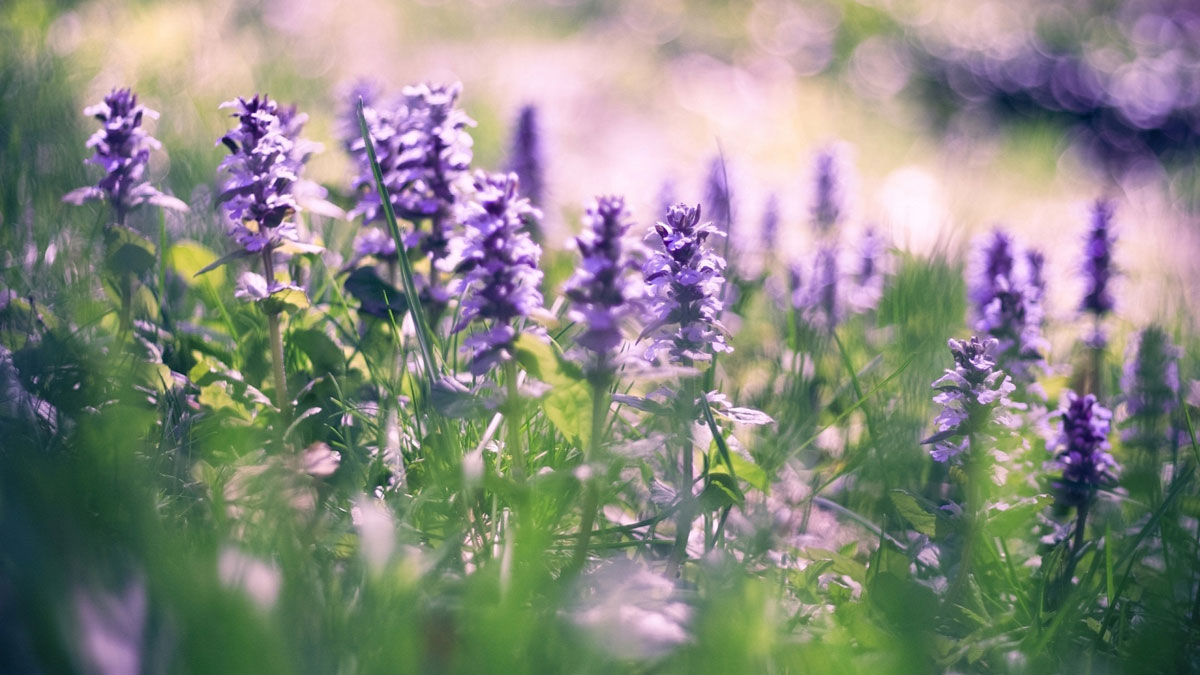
718, 198
525, 155
1151, 377
423, 149
683, 283
869, 273
374, 242
347, 130
263, 168
1098, 264
822, 301
828, 192
1081, 449
1010, 306
498, 261
602, 291
973, 396
122, 148
770, 224
1035, 264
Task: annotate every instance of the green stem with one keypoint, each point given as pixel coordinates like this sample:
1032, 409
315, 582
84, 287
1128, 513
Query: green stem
281, 393
512, 421
591, 497
686, 513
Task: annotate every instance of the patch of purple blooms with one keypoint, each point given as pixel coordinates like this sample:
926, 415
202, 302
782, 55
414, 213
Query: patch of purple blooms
525, 155
973, 395
603, 292
122, 148
1150, 380
1098, 261
423, 150
828, 192
683, 283
1081, 449
1009, 306
263, 168
499, 264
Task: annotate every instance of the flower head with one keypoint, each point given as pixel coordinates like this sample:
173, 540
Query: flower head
263, 167
828, 192
1098, 263
973, 396
1009, 306
1151, 377
996, 262
717, 196
1081, 448
770, 224
498, 261
122, 148
602, 291
683, 282
423, 150
525, 155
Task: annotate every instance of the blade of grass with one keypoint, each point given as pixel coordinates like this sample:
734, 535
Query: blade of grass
424, 335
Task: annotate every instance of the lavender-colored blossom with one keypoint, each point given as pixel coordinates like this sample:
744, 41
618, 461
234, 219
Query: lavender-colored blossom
525, 155
1098, 261
1151, 377
828, 191
263, 167
718, 198
1009, 306
498, 261
602, 291
347, 129
374, 242
821, 301
996, 262
770, 224
423, 150
122, 148
868, 275
973, 395
1081, 449
1035, 265
683, 282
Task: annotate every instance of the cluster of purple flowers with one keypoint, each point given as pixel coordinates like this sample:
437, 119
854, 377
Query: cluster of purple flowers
1081, 449
1008, 305
1098, 261
525, 156
499, 264
828, 195
974, 398
122, 148
603, 292
263, 167
683, 282
424, 150
1151, 378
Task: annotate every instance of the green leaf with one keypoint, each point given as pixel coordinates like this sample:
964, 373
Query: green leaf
722, 490
127, 251
568, 405
223, 260
912, 510
323, 352
1003, 523
287, 300
188, 258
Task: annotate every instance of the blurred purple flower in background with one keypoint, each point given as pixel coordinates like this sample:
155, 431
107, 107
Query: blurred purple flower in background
1098, 263
122, 148
1081, 449
770, 225
602, 290
973, 396
718, 198
499, 263
1009, 305
828, 191
525, 155
684, 281
996, 262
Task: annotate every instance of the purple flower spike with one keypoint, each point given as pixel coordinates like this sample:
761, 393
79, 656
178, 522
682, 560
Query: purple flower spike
1009, 306
717, 196
770, 224
263, 167
525, 156
1151, 377
822, 302
997, 263
423, 149
973, 396
683, 282
122, 148
828, 194
1098, 263
498, 261
602, 291
1081, 449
